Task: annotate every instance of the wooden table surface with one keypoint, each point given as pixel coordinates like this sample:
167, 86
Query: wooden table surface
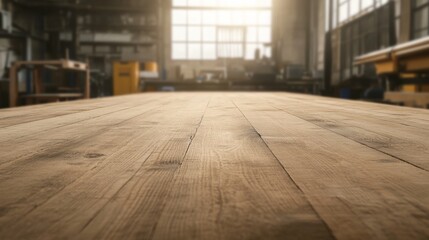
214, 166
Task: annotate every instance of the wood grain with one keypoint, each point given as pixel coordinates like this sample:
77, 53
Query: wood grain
400, 138
214, 166
222, 189
359, 191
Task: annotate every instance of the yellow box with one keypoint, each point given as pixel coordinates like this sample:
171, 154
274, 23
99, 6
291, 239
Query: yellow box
412, 88
151, 66
126, 78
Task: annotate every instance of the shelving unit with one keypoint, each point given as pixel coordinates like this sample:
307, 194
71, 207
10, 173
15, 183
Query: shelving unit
142, 26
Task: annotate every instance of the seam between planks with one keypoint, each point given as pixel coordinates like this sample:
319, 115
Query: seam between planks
152, 233
288, 174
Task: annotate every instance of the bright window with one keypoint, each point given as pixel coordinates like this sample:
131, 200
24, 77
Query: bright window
215, 29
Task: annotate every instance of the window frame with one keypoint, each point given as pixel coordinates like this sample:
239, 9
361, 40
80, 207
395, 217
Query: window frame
338, 4
415, 9
367, 37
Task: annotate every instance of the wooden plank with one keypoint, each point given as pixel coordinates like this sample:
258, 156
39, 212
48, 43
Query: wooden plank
403, 115
360, 193
60, 157
73, 65
149, 188
11, 116
62, 132
403, 141
75, 153
41, 126
88, 194
62, 63
230, 186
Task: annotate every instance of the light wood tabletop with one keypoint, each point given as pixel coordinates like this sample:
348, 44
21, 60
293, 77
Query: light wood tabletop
214, 166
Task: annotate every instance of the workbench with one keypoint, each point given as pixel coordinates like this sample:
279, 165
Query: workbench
298, 85
214, 166
37, 80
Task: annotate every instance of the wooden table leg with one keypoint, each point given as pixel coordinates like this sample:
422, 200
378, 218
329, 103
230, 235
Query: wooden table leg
87, 93
37, 79
13, 88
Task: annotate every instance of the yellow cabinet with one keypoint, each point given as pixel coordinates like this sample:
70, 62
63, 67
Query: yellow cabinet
126, 78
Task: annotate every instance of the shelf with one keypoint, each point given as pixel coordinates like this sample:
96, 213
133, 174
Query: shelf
54, 95
135, 27
107, 43
89, 8
117, 43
